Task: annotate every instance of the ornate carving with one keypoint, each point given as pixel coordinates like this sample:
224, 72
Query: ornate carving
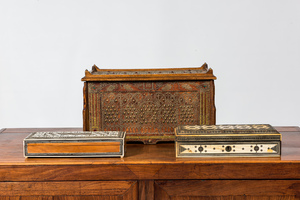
226, 129
155, 108
75, 134
113, 72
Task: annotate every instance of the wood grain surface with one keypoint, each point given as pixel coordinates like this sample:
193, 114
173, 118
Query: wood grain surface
148, 172
227, 189
70, 190
146, 162
74, 147
146, 189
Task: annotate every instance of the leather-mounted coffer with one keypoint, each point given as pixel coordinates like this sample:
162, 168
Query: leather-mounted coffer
148, 103
254, 140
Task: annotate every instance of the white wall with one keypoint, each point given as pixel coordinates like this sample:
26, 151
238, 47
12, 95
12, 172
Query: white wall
253, 47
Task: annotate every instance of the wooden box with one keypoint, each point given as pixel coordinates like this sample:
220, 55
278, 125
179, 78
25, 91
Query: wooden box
254, 140
148, 103
75, 144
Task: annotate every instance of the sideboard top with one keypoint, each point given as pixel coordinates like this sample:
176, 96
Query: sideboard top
159, 74
144, 162
11, 146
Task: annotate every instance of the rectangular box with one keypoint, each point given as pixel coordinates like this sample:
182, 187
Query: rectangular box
148, 103
254, 140
75, 144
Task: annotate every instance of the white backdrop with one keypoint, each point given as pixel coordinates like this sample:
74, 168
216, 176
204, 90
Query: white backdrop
253, 47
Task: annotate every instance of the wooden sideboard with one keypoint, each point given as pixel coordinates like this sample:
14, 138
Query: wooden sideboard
148, 172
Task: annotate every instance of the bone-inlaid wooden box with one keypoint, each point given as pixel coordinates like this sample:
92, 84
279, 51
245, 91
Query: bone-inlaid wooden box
148, 103
254, 140
75, 144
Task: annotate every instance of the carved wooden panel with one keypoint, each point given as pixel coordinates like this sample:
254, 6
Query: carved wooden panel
148, 111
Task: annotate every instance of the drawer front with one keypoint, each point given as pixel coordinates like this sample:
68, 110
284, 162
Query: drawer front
227, 189
112, 190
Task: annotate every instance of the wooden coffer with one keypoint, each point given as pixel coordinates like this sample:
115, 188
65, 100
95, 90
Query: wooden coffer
148, 103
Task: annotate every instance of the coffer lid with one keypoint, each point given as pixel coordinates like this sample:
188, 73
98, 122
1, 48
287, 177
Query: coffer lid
75, 135
162, 74
240, 132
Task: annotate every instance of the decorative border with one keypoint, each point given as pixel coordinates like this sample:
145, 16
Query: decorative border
189, 130
110, 72
75, 135
225, 153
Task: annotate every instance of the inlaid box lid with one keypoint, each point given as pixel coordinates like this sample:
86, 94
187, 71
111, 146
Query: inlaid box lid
196, 73
241, 132
75, 135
